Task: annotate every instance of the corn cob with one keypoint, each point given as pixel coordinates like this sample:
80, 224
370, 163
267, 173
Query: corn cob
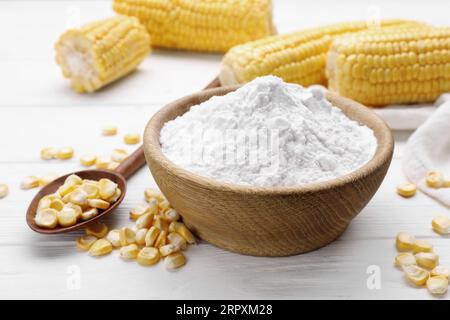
101, 52
378, 68
201, 25
298, 57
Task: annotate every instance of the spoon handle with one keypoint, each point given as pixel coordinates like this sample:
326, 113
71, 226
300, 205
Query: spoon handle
137, 159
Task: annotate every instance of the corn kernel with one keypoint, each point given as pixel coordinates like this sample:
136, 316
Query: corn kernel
114, 197
164, 205
44, 203
4, 190
109, 130
47, 218
56, 204
174, 261
183, 231
151, 236
89, 214
404, 241
113, 165
416, 275
77, 208
177, 240
97, 229
119, 155
114, 237
140, 236
49, 153
100, 248
91, 189
79, 197
132, 138
406, 190
29, 182
127, 236
422, 246
441, 224
139, 211
67, 217
66, 188
161, 224
437, 285
85, 242
170, 215
145, 221
129, 252
446, 183
73, 179
88, 160
65, 153
435, 179
107, 188
151, 193
45, 180
440, 271
148, 256
168, 249
161, 240
102, 162
427, 260
405, 259
98, 203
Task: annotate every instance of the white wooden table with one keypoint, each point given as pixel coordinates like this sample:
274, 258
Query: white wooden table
37, 109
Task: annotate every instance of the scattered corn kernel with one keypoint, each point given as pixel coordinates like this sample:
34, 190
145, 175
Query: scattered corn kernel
407, 190
47, 218
127, 236
100, 248
49, 153
65, 153
132, 138
161, 224
435, 179
129, 252
139, 211
148, 256
4, 190
119, 155
170, 215
114, 237
56, 204
446, 183
91, 189
140, 236
427, 260
85, 242
89, 214
151, 193
168, 249
29, 182
151, 236
422, 246
97, 229
145, 221
67, 217
183, 231
77, 208
98, 203
177, 240
113, 165
79, 197
161, 240
405, 259
106, 188
416, 275
88, 160
437, 285
102, 162
441, 224
109, 130
174, 261
404, 241
440, 271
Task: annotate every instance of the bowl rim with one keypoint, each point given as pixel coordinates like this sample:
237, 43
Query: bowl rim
382, 154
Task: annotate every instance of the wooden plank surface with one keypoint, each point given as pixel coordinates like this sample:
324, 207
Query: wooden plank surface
37, 109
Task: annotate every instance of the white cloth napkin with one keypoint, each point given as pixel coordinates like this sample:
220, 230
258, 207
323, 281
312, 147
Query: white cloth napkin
428, 148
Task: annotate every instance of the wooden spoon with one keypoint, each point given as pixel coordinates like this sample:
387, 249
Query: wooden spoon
125, 170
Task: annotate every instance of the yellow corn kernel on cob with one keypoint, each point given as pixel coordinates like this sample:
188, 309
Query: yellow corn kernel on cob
101, 52
298, 57
201, 25
383, 67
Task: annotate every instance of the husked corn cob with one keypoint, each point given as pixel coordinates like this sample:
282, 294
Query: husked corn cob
384, 67
101, 52
201, 25
298, 57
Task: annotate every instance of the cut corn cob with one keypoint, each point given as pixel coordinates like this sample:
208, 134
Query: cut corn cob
404, 65
201, 25
101, 52
298, 57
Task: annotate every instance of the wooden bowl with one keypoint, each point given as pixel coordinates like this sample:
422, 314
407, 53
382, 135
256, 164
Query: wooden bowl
267, 221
